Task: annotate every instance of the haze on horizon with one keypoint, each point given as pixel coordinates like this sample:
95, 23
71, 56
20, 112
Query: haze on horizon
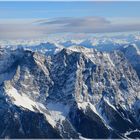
19, 20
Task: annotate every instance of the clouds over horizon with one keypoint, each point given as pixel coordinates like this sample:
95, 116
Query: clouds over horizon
43, 27
92, 24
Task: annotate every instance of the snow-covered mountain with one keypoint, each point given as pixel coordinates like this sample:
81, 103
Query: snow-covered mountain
132, 53
68, 43
75, 93
45, 48
102, 45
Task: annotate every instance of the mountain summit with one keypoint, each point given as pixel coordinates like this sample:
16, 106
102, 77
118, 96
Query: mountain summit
76, 93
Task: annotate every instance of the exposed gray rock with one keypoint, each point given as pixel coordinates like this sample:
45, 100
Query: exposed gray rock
78, 92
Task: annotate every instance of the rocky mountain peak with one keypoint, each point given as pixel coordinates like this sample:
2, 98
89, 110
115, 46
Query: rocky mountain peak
73, 88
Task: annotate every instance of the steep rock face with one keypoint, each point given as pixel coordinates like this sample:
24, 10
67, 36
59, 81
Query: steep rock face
132, 53
28, 89
77, 92
94, 73
88, 122
8, 63
18, 123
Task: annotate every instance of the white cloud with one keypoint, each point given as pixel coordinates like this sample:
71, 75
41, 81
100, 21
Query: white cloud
91, 25
33, 28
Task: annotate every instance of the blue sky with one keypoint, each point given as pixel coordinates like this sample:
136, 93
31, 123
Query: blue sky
39, 19
68, 9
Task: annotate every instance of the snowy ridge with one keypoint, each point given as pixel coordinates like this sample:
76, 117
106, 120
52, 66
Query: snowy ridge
77, 92
25, 102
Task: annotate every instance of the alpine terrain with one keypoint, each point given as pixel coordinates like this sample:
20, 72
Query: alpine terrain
69, 92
